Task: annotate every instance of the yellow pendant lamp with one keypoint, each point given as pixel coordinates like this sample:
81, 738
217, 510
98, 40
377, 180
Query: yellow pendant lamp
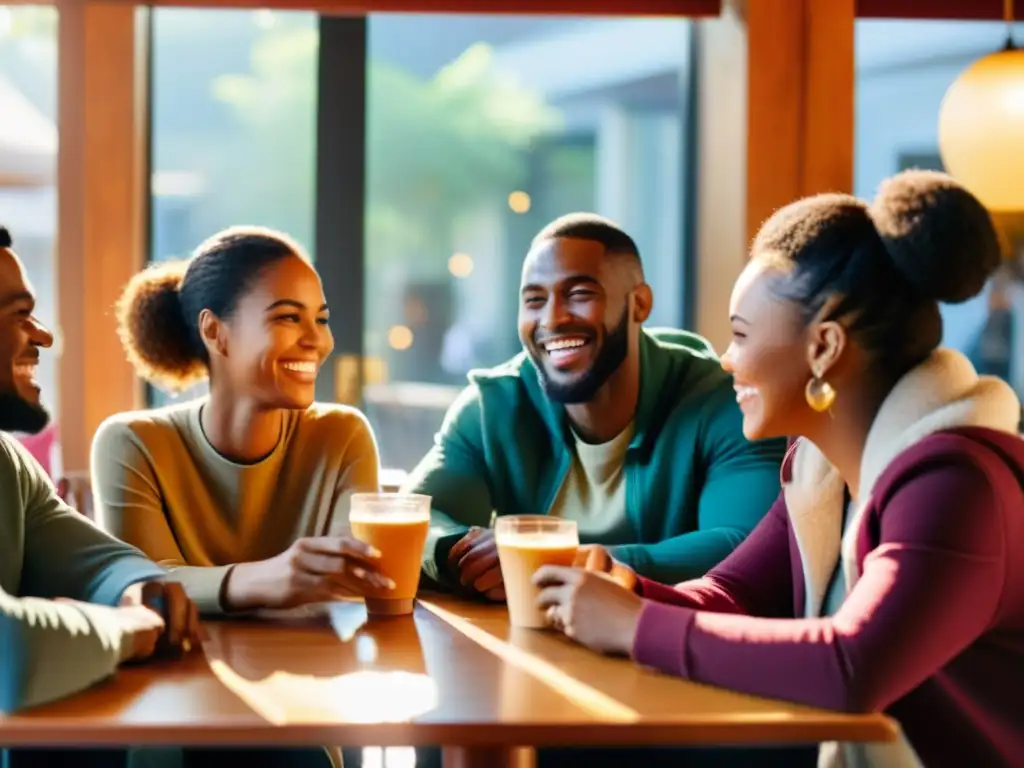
981, 126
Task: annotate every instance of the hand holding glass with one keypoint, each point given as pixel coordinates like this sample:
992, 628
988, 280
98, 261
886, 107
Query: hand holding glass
525, 543
396, 524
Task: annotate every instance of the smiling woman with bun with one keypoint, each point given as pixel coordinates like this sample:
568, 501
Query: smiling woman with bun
889, 575
244, 494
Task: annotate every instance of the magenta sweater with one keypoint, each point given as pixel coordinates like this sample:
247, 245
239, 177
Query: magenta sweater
932, 632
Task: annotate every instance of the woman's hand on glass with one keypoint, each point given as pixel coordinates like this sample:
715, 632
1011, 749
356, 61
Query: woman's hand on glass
312, 570
590, 607
595, 558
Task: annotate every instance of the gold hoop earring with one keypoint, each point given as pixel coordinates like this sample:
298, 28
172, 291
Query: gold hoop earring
819, 394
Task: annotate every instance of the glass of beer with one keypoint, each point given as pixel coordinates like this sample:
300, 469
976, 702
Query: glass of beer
525, 543
396, 524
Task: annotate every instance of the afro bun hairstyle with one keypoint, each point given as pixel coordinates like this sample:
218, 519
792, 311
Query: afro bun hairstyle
924, 239
156, 337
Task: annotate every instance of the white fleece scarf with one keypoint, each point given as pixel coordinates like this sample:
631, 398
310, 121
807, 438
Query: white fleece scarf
944, 392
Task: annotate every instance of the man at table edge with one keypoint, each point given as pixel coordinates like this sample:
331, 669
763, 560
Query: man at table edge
74, 602
633, 433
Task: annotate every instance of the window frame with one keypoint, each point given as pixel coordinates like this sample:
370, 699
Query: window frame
340, 200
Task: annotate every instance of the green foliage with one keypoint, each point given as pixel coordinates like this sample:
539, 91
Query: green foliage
435, 148
28, 54
27, 21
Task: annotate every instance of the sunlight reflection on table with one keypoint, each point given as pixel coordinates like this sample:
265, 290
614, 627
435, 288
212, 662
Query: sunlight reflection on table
357, 697
381, 673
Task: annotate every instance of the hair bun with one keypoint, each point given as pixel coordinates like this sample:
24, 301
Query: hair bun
939, 236
153, 330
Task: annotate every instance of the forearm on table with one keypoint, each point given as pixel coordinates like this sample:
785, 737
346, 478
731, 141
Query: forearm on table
248, 586
54, 649
684, 557
220, 589
704, 594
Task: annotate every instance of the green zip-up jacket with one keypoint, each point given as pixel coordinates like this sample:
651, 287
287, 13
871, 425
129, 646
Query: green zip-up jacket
695, 487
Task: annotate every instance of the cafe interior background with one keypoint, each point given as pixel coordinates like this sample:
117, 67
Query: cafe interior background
415, 147
415, 154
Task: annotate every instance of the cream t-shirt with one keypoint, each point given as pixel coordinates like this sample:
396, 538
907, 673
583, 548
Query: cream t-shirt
159, 485
594, 492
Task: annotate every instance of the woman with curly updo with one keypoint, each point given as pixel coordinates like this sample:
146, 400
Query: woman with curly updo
889, 575
243, 494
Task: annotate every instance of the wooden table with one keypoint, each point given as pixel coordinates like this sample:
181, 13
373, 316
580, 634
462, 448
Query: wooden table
454, 674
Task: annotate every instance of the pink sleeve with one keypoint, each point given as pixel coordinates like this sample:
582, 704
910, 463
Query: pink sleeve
756, 579
928, 590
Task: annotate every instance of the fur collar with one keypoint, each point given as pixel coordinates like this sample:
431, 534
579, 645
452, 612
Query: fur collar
944, 392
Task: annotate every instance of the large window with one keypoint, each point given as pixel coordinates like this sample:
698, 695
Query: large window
903, 71
418, 155
233, 126
479, 131
28, 153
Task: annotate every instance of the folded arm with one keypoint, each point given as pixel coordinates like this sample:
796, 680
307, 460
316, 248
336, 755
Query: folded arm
927, 591
52, 649
49, 650
755, 580
65, 554
741, 480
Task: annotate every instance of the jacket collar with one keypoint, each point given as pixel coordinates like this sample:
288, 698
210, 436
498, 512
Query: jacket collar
942, 393
656, 369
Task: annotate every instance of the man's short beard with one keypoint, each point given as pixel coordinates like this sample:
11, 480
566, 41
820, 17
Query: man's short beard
19, 415
613, 353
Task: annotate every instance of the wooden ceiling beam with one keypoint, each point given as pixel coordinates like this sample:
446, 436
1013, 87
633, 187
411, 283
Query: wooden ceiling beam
973, 10
977, 10
691, 8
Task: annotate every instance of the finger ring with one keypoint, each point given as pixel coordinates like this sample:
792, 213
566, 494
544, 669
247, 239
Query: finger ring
563, 620
186, 645
555, 617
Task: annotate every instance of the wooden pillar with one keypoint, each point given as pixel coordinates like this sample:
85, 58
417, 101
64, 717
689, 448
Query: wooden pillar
800, 81
776, 123
721, 167
103, 198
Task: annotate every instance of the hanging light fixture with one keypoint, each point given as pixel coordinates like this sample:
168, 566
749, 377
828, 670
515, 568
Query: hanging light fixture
981, 126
